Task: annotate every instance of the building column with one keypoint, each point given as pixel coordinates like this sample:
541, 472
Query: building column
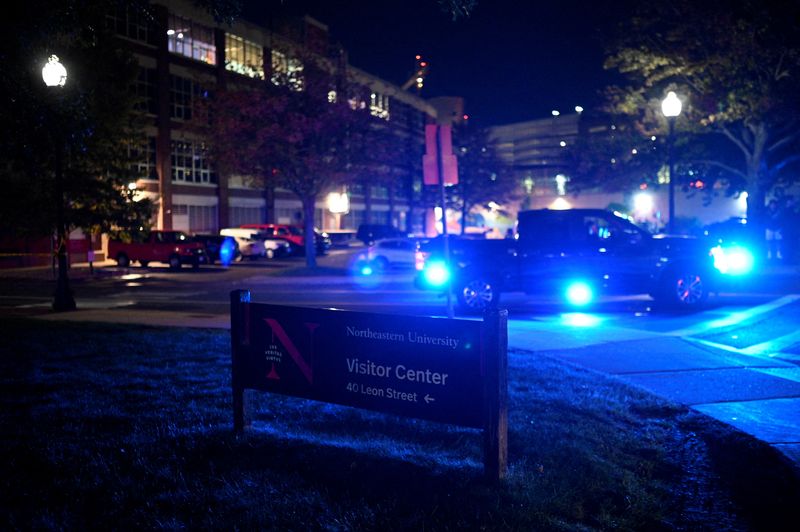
223, 192
163, 137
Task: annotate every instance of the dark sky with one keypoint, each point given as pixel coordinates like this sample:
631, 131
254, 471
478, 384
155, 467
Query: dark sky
510, 60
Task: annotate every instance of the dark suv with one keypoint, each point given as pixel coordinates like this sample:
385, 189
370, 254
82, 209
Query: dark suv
577, 252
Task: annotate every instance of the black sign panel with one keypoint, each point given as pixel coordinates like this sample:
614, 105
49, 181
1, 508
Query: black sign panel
428, 368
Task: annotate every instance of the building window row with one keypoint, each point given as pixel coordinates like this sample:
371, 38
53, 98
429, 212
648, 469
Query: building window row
246, 215
190, 162
188, 38
142, 154
145, 91
286, 71
130, 21
379, 105
184, 95
244, 57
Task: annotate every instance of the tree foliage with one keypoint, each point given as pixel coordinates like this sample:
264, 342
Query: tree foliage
482, 176
303, 140
89, 121
736, 66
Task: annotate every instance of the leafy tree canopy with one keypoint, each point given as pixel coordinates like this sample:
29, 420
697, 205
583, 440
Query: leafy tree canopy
89, 121
736, 66
305, 133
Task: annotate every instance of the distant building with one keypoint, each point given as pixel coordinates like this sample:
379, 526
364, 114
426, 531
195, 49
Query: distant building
184, 55
536, 150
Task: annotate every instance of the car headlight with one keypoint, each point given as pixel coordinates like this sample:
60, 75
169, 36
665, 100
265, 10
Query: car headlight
579, 293
436, 274
732, 260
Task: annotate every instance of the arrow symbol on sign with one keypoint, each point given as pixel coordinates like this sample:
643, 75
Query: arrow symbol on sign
428, 398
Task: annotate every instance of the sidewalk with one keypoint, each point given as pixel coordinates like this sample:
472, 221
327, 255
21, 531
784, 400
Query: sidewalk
757, 394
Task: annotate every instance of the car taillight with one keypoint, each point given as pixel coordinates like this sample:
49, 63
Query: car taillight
419, 260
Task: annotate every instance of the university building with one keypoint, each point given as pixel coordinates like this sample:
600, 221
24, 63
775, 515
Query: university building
184, 55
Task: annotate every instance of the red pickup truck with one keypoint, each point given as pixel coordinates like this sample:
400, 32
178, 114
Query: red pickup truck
171, 247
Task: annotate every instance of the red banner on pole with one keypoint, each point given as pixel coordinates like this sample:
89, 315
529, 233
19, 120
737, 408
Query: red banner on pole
439, 154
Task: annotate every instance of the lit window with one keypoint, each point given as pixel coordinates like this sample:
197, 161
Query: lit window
190, 162
286, 71
191, 39
379, 105
244, 57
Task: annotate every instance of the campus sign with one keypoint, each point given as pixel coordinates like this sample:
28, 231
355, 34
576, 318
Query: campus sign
429, 368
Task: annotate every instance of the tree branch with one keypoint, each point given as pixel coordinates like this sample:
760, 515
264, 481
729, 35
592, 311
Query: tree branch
786, 162
782, 142
724, 166
737, 141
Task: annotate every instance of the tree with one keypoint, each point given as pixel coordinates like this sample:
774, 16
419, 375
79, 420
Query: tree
482, 176
303, 134
87, 124
738, 70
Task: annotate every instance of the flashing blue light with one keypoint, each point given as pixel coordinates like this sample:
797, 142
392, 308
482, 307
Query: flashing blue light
226, 251
437, 274
579, 294
366, 270
733, 260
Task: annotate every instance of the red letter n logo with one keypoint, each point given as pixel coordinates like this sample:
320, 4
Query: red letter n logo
284, 339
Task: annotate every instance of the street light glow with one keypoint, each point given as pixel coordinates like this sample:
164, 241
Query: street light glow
54, 73
671, 105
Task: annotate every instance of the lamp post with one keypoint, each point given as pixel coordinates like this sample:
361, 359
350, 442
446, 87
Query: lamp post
671, 107
54, 74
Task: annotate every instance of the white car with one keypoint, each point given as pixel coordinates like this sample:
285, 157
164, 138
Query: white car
391, 253
255, 244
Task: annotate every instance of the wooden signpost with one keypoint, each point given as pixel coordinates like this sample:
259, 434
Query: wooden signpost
445, 370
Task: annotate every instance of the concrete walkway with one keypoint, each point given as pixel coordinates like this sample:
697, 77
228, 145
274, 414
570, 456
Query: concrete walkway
757, 393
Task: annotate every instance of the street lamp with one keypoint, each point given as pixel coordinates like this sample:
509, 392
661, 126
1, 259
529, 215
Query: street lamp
54, 74
671, 107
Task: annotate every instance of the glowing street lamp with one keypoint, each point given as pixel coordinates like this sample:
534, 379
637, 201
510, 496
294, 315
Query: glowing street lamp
671, 108
54, 74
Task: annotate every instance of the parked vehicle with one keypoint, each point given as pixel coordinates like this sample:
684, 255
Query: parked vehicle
255, 243
576, 253
369, 233
391, 253
171, 247
220, 248
294, 235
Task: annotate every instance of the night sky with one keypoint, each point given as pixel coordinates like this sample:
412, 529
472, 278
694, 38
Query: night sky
510, 60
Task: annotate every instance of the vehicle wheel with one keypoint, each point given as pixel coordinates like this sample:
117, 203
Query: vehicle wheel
477, 294
123, 261
381, 264
174, 262
684, 288
143, 263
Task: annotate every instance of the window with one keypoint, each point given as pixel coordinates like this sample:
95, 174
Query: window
184, 95
380, 192
202, 218
379, 105
142, 155
190, 163
244, 57
191, 39
245, 215
286, 71
131, 22
144, 89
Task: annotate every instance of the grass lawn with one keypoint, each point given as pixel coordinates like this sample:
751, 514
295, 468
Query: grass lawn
130, 427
